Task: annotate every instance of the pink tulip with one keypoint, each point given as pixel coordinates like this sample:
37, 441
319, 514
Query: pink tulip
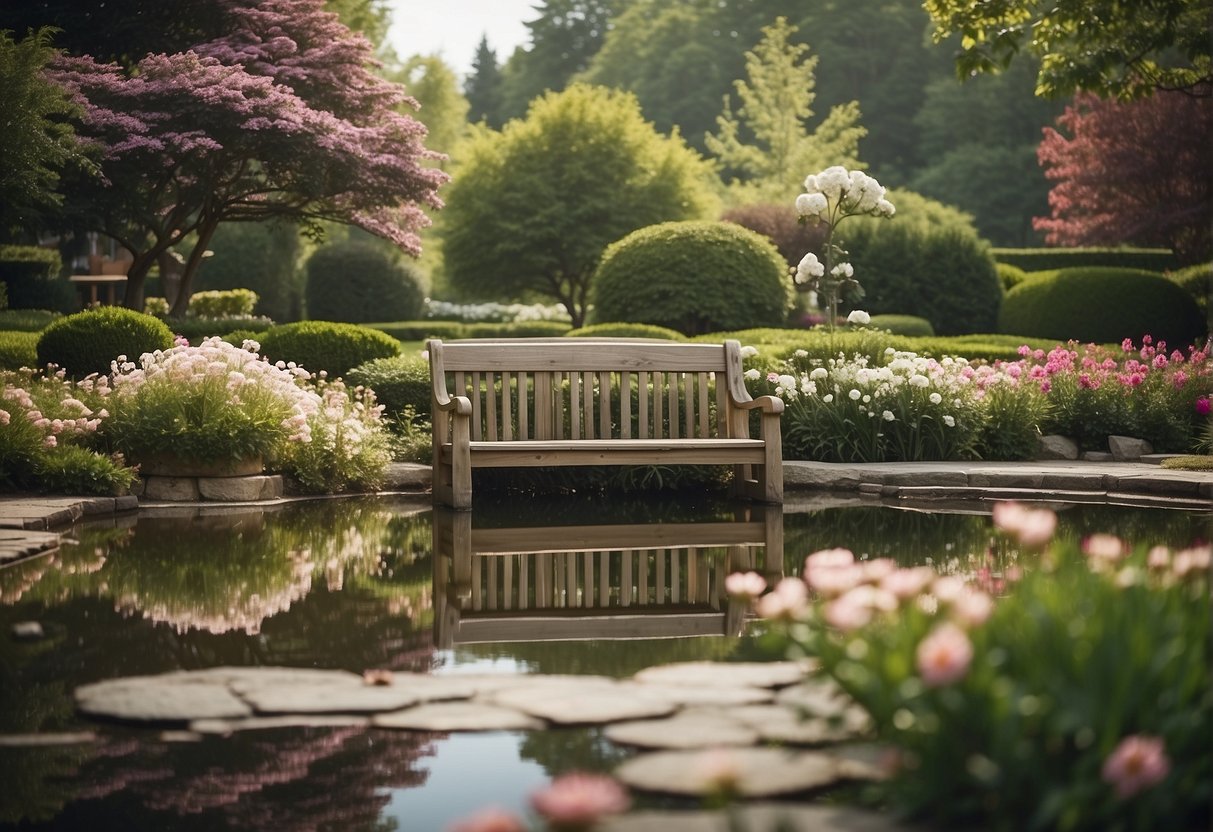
577, 801
744, 585
787, 601
1104, 548
1138, 763
489, 820
944, 656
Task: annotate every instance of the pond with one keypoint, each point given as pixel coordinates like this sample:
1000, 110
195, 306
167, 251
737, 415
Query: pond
570, 586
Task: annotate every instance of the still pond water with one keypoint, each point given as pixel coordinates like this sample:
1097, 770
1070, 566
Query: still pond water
386, 583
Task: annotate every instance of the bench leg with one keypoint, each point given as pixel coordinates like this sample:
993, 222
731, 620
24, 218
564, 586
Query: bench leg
461, 465
770, 477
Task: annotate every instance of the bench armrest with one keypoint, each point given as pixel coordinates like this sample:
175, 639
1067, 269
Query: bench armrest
768, 404
459, 405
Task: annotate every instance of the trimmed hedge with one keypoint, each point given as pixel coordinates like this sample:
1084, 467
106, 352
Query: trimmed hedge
334, 348
1048, 259
195, 329
226, 303
358, 282
620, 330
18, 349
453, 330
903, 324
1010, 276
1102, 305
26, 320
30, 275
693, 277
399, 382
1197, 281
89, 341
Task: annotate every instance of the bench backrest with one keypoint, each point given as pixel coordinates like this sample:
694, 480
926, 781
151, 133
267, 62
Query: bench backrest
575, 388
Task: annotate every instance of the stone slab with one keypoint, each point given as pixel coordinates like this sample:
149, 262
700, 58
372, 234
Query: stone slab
684, 695
754, 772
324, 697
690, 729
223, 727
458, 716
572, 704
49, 739
750, 674
757, 817
245, 489
787, 726
171, 489
155, 699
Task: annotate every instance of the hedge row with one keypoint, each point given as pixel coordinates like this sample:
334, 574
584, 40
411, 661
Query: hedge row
452, 330
1045, 259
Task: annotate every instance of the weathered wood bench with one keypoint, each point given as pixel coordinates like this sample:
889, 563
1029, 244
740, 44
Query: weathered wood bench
568, 583
541, 402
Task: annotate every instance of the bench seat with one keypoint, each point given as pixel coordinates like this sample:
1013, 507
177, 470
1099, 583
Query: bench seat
525, 453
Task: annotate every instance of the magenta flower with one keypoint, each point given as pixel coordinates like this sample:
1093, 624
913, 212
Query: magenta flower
944, 656
1203, 406
491, 819
577, 801
1138, 763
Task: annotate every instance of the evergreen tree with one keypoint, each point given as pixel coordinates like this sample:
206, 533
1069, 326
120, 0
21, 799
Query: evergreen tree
483, 87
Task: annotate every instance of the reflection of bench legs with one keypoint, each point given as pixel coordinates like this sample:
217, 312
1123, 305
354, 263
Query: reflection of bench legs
580, 582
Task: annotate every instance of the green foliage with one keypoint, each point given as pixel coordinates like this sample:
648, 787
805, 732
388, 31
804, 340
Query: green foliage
443, 110
1136, 48
1188, 462
765, 145
237, 337
778, 223
531, 208
1011, 420
348, 449
18, 349
1010, 718
903, 325
400, 383
232, 303
70, 469
195, 329
928, 262
1010, 276
1101, 305
31, 278
452, 330
26, 320
1196, 280
334, 348
694, 277
260, 256
358, 282
1048, 259
87, 342
622, 330
483, 87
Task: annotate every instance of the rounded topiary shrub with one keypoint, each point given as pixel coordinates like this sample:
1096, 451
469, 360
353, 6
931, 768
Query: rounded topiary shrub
620, 330
323, 345
902, 325
1102, 305
399, 382
693, 277
926, 261
87, 342
1010, 276
359, 282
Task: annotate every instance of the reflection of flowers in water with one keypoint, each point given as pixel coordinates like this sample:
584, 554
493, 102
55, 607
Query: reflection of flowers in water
232, 610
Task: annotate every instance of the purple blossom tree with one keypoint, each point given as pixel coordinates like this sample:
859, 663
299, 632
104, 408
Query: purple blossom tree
280, 117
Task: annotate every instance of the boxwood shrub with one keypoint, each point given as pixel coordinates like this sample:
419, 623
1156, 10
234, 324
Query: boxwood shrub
359, 282
903, 324
452, 330
89, 341
621, 330
1102, 305
30, 275
1048, 259
18, 349
399, 382
1010, 276
195, 329
335, 348
693, 277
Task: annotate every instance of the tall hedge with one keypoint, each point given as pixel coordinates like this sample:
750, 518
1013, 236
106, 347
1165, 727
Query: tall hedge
693, 277
262, 257
1048, 259
30, 275
359, 282
1102, 305
928, 261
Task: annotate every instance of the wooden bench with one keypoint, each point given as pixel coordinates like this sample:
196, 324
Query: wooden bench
540, 402
622, 581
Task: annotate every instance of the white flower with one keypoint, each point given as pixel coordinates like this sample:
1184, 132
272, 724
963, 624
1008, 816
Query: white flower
858, 316
888, 416
949, 421
819, 373
918, 380
801, 353
854, 395
787, 381
843, 270
935, 398
811, 205
752, 375
809, 267
885, 208
749, 352
810, 184
832, 181
827, 398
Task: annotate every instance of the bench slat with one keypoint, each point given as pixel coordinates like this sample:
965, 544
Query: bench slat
538, 453
592, 356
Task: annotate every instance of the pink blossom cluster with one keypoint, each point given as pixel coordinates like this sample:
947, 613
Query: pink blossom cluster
571, 802
52, 405
1094, 366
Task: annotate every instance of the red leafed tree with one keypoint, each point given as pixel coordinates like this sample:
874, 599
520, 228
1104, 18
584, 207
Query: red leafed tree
279, 116
1138, 172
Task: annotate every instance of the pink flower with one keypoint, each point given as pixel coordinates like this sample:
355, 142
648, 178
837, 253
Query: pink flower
1160, 361
906, 583
718, 770
1031, 527
832, 571
787, 601
744, 585
1203, 406
973, 608
1138, 763
944, 656
1104, 548
491, 819
577, 801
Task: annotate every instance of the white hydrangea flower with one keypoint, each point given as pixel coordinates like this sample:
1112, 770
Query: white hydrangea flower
854, 395
935, 398
888, 416
809, 268
858, 316
949, 421
752, 375
843, 269
811, 205
819, 373
749, 352
801, 353
885, 208
827, 398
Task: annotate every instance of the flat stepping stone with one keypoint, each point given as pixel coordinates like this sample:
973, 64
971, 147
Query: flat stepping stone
759, 817
688, 695
759, 772
237, 677
159, 699
732, 674
816, 697
573, 704
458, 716
786, 726
689, 729
329, 697
223, 727
43, 740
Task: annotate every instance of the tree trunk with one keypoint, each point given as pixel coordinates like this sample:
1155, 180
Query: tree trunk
135, 277
181, 303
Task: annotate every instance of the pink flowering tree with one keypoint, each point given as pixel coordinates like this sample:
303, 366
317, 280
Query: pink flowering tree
281, 116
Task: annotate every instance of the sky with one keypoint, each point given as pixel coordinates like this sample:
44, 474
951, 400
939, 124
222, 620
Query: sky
452, 28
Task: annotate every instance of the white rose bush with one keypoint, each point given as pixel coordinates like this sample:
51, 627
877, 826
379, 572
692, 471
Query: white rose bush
829, 198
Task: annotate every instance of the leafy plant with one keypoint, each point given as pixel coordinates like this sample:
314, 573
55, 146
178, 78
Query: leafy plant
323, 346
88, 342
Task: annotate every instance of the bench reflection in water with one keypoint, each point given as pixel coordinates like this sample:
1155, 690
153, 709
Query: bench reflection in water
563, 583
